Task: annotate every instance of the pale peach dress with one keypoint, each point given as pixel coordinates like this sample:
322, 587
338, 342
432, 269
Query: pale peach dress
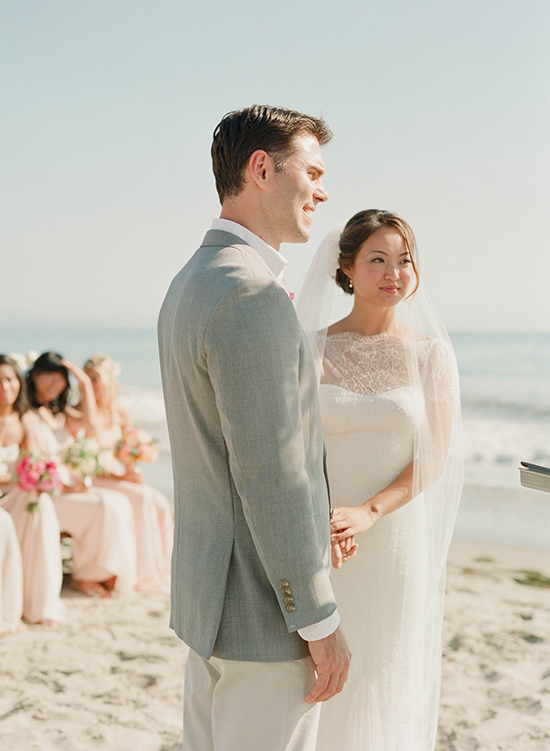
100, 522
154, 526
11, 576
38, 535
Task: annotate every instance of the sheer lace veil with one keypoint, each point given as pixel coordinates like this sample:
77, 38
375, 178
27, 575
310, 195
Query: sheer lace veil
429, 366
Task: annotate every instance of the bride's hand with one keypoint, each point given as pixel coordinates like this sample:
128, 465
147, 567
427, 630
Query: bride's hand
342, 552
348, 522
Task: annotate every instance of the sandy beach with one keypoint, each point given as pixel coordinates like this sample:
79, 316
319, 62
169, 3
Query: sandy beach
110, 677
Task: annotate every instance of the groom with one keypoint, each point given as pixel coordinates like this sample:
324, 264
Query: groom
251, 594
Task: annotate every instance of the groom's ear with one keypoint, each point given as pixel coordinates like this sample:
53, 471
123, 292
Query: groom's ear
260, 165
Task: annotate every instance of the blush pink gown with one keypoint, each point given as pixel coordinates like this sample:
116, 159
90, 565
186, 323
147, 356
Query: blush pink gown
154, 526
11, 576
100, 522
38, 535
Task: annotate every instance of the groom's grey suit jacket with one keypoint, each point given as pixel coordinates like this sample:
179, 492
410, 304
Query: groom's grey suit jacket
251, 550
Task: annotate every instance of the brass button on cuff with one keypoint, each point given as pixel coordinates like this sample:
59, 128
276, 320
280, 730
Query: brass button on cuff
290, 608
283, 583
286, 591
288, 599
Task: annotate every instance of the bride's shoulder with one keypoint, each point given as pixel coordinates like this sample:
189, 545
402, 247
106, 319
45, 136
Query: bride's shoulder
339, 327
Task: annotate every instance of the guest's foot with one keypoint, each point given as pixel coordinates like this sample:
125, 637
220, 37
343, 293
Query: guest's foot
90, 589
109, 585
50, 624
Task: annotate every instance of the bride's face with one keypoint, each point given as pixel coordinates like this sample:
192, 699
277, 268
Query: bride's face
382, 273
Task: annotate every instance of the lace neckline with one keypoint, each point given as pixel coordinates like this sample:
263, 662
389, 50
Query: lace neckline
364, 337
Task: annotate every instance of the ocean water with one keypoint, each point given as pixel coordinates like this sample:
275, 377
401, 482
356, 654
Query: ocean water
505, 385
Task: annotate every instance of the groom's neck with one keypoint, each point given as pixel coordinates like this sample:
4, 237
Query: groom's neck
250, 217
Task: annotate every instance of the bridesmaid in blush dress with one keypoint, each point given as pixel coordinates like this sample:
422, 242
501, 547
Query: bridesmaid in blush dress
152, 510
11, 576
37, 532
99, 520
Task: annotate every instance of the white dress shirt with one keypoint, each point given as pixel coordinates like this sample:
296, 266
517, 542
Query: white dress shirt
277, 265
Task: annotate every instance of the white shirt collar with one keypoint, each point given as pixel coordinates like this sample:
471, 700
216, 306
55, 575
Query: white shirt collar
276, 262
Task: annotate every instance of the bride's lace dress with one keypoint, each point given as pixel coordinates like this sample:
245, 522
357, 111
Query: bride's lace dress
371, 413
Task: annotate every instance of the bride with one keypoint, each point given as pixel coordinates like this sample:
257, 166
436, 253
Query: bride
391, 419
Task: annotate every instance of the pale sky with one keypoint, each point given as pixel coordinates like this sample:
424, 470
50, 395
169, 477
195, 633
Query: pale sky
440, 111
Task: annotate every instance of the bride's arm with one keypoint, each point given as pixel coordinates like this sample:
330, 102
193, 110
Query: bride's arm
349, 521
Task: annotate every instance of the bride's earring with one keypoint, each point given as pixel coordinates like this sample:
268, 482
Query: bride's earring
350, 283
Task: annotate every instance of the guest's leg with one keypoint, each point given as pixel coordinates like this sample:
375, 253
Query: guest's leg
153, 530
101, 524
11, 576
38, 534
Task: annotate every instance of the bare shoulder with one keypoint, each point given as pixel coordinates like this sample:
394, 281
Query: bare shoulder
72, 413
338, 327
122, 416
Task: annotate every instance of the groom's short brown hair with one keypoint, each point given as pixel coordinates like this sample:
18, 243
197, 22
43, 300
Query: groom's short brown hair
242, 132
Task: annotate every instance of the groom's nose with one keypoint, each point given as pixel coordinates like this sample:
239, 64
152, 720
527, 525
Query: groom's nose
320, 193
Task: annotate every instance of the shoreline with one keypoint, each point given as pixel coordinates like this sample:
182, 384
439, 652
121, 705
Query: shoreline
111, 675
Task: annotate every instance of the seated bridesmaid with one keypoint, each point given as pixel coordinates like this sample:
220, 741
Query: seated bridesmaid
99, 520
152, 510
11, 576
38, 531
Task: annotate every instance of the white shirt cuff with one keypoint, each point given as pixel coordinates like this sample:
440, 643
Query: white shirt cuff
322, 629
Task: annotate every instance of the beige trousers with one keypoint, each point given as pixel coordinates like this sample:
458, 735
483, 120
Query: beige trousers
248, 706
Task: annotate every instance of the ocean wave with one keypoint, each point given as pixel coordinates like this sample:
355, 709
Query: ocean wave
506, 408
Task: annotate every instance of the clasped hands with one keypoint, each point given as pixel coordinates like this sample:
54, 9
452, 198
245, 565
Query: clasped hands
345, 524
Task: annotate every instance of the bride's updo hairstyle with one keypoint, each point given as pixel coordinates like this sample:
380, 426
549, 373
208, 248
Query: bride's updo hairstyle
357, 231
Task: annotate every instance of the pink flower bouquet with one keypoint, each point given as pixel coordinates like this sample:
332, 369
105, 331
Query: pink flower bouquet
135, 446
37, 476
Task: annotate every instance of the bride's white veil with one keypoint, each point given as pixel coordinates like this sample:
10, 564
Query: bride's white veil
437, 484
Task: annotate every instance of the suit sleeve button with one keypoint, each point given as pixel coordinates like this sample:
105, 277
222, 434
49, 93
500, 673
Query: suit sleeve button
290, 608
283, 583
287, 591
288, 599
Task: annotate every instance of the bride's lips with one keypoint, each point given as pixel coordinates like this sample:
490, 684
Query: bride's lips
390, 290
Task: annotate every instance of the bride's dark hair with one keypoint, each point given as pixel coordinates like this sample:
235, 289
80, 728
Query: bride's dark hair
49, 362
358, 229
21, 404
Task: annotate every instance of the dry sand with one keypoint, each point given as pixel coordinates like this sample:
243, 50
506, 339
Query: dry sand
111, 676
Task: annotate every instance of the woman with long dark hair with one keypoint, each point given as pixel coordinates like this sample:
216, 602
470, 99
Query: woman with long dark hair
99, 520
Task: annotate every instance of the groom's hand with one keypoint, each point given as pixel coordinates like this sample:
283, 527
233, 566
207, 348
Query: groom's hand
331, 657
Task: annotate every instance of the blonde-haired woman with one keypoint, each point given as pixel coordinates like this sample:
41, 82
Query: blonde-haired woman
152, 510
